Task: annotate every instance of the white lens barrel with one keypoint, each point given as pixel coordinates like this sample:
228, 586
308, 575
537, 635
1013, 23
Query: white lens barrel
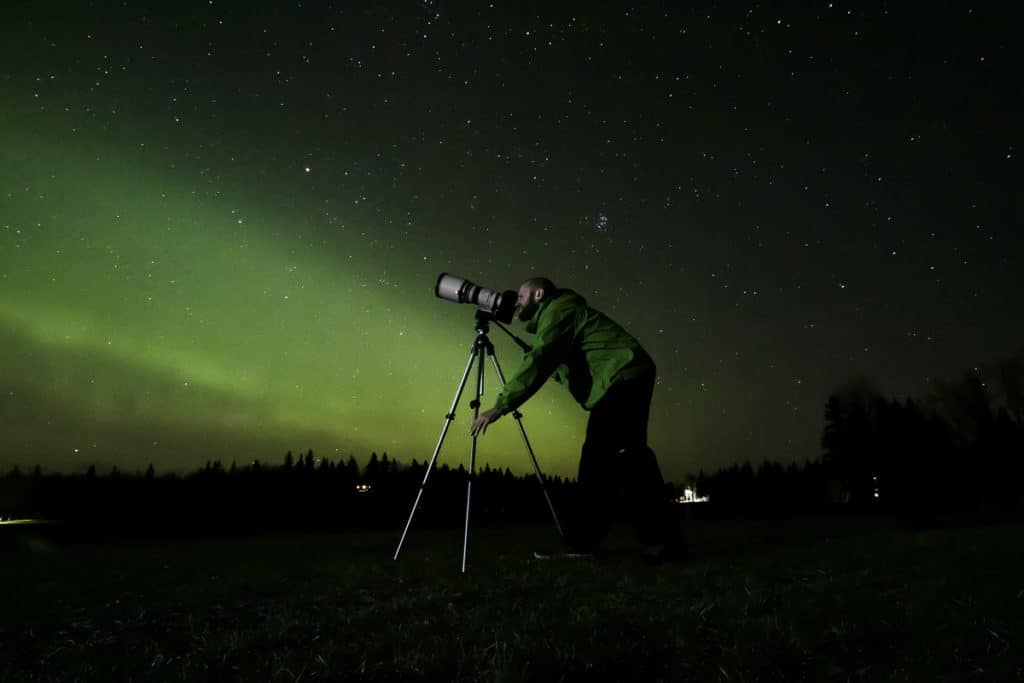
449, 286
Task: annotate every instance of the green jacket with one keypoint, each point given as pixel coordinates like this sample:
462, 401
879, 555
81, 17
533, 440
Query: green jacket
579, 346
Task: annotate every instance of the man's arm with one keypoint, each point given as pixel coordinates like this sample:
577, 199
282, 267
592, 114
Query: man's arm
554, 340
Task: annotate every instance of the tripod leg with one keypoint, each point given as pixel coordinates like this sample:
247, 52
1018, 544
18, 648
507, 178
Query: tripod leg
437, 449
536, 468
472, 454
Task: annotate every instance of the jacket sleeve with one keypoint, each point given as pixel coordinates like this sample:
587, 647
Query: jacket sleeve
554, 340
561, 374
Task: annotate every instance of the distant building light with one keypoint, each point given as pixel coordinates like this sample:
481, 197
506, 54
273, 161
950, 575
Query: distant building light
363, 488
690, 496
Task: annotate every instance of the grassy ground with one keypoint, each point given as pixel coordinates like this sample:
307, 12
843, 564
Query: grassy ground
760, 601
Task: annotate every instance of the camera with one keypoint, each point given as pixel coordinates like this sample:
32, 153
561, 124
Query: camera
500, 305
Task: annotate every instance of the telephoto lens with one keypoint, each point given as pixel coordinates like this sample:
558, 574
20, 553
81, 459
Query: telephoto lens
501, 305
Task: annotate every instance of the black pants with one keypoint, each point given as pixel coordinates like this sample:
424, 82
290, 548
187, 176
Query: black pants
618, 469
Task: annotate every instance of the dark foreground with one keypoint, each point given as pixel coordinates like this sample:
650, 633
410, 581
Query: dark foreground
828, 600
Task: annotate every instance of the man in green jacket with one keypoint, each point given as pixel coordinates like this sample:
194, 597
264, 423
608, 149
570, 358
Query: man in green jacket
610, 375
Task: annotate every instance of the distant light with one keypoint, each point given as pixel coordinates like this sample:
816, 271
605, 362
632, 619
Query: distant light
20, 521
690, 496
363, 488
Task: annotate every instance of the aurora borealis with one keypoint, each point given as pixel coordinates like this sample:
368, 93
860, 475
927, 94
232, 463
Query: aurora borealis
220, 226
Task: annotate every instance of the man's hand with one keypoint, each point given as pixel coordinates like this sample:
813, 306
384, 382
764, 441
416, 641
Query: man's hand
485, 418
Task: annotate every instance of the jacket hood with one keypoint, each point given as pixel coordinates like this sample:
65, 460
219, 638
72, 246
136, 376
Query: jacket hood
572, 298
564, 297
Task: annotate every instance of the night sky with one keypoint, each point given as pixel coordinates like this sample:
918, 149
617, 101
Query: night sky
221, 225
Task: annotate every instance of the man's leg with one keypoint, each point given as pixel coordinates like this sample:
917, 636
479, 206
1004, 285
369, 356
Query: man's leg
654, 518
594, 506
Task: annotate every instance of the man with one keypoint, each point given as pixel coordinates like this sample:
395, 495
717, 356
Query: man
609, 374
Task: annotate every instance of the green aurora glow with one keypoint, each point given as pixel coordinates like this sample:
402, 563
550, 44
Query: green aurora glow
144, 323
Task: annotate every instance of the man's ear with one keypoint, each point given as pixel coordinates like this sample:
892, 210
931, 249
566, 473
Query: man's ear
538, 294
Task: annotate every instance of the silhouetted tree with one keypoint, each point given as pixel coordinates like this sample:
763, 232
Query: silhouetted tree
352, 469
1009, 379
371, 473
851, 438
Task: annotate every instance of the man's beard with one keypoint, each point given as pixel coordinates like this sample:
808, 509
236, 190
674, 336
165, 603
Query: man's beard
526, 312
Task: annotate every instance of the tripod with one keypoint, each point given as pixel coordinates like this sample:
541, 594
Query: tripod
482, 345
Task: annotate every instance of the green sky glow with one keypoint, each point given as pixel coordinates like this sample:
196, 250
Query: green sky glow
145, 321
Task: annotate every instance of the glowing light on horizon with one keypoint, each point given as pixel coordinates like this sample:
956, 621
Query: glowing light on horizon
12, 522
690, 496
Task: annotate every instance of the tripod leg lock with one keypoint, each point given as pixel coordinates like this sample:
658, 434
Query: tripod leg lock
516, 414
474, 404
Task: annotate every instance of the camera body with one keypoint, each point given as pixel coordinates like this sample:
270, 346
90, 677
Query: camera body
500, 305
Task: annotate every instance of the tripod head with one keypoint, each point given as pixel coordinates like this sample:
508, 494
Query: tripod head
483, 321
482, 326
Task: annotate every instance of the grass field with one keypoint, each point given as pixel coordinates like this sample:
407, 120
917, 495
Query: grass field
819, 600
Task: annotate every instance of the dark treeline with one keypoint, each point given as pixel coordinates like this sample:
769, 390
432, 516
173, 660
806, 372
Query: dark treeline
313, 493
769, 488
958, 451
301, 493
960, 448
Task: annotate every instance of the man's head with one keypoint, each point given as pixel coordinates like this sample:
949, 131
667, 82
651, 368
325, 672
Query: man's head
531, 294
